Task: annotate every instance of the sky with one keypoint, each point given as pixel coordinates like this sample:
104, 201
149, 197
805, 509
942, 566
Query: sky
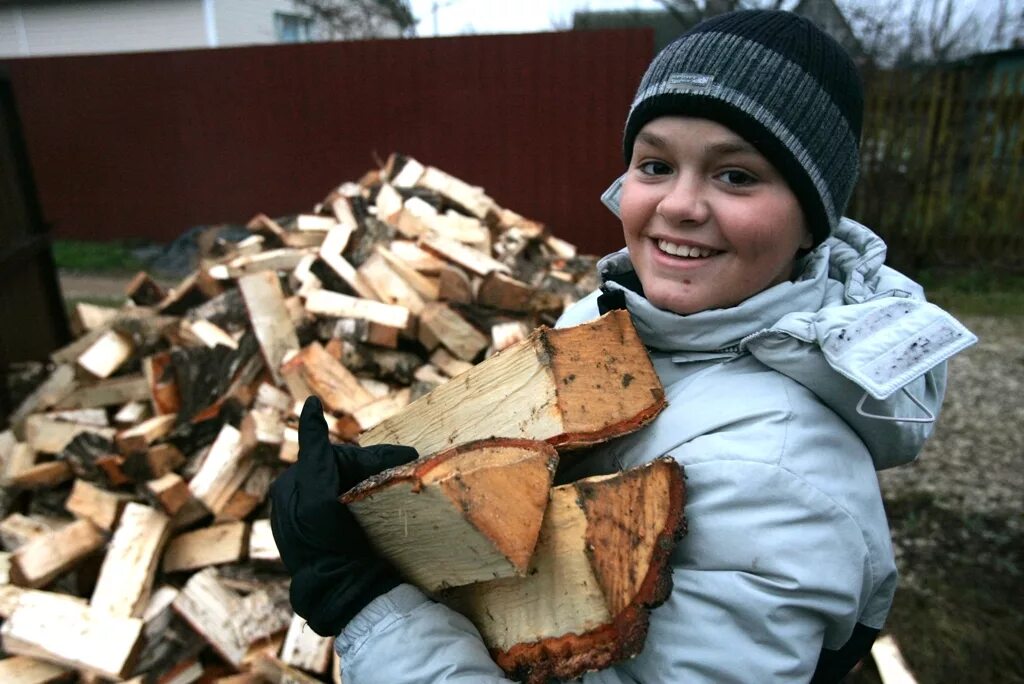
455, 17
500, 16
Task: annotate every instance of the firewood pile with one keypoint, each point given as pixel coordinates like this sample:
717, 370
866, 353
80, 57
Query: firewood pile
135, 476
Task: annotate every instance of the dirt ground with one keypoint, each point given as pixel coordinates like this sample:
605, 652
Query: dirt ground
957, 513
957, 517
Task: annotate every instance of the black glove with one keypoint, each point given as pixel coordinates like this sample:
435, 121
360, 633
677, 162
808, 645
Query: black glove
335, 572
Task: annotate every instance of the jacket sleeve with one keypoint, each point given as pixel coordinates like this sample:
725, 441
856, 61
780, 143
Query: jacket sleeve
403, 636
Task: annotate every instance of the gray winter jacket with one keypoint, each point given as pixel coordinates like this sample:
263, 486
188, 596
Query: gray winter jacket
781, 410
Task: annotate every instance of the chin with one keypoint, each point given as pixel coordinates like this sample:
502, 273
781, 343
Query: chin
675, 303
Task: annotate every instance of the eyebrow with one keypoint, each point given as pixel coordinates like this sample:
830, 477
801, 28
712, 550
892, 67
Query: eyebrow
721, 148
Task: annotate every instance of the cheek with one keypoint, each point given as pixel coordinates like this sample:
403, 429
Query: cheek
635, 208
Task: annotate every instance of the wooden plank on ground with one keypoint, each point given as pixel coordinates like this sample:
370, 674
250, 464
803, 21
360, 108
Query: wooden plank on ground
892, 668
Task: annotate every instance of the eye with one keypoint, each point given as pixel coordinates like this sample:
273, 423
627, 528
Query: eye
737, 178
654, 168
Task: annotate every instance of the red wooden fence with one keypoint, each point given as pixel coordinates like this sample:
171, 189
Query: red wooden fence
148, 145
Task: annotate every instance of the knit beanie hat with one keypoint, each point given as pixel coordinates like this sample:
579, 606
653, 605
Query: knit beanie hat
782, 84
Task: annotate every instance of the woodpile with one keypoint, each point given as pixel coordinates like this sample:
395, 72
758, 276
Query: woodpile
135, 475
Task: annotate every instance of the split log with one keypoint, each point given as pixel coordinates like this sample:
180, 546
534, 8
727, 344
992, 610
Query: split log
314, 371
41, 560
274, 330
95, 504
107, 354
131, 413
129, 568
274, 671
489, 495
49, 435
570, 387
154, 463
59, 384
439, 324
504, 335
262, 546
305, 649
139, 437
335, 304
210, 609
59, 629
473, 260
214, 545
162, 383
453, 285
144, 291
449, 365
25, 670
87, 317
225, 468
18, 529
457, 191
419, 259
388, 285
601, 565
170, 492
379, 410
425, 287
249, 496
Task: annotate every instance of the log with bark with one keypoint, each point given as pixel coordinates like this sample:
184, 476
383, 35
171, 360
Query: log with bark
570, 387
601, 565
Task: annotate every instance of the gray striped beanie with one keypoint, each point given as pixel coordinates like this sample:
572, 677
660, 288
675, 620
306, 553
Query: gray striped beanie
782, 84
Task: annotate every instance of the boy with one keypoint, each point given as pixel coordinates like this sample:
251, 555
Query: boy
795, 364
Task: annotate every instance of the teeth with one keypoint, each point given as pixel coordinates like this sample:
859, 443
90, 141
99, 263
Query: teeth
684, 250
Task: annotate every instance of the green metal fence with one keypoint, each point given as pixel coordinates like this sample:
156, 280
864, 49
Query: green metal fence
941, 166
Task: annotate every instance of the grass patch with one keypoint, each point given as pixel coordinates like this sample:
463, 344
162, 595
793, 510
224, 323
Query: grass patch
96, 257
975, 291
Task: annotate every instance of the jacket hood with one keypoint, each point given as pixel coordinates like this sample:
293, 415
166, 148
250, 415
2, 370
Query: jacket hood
857, 333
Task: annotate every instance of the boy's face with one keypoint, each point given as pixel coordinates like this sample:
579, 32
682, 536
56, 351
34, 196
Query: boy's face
708, 220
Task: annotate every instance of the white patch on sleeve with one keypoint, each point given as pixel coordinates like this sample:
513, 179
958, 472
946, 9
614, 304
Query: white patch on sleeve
890, 345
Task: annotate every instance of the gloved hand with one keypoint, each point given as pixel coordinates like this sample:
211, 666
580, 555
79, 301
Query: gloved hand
335, 572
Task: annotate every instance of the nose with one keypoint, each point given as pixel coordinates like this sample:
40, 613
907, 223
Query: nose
684, 201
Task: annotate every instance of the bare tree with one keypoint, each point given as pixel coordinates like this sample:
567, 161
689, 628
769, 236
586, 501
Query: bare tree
687, 10
894, 33
334, 19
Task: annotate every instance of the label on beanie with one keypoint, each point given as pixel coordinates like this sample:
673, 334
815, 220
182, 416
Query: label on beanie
691, 80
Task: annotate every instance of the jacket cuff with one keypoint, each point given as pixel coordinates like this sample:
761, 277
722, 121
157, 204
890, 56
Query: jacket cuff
379, 613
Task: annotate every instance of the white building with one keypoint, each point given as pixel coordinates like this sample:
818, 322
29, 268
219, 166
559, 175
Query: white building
34, 28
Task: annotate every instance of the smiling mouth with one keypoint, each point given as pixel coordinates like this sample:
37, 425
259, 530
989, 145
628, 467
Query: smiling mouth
685, 251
